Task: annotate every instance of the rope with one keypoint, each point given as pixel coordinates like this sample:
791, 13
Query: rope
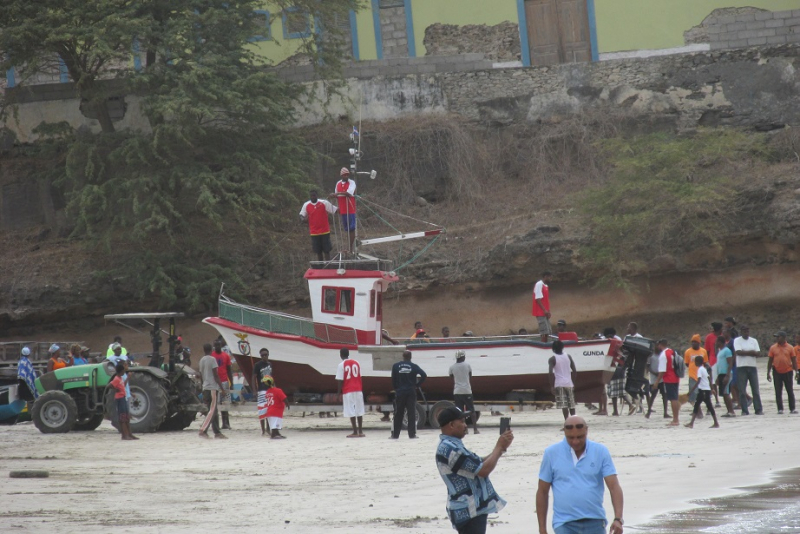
395, 212
387, 223
420, 253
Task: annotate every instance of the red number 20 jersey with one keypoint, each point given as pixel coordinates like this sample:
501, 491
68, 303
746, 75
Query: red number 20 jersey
349, 372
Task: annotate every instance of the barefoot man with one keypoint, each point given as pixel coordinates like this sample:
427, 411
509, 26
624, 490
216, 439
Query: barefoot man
348, 376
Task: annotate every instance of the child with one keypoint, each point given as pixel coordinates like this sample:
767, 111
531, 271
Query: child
704, 394
276, 402
118, 383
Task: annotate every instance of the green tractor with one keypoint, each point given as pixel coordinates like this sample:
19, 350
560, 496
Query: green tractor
164, 394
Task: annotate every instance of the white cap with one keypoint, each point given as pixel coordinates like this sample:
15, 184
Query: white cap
344, 172
53, 348
115, 346
26, 351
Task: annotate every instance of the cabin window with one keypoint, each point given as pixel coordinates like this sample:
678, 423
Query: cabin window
338, 300
379, 306
329, 300
372, 303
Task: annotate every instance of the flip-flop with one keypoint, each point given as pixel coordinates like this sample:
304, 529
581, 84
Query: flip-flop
353, 436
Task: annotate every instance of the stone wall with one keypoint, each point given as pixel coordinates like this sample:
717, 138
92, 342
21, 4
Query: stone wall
755, 28
497, 43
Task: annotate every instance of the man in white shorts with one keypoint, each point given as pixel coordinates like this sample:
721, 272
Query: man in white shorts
348, 375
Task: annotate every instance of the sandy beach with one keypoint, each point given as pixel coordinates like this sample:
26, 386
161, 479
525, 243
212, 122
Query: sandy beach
318, 481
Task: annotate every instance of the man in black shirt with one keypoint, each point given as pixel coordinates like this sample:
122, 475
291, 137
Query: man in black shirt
261, 369
405, 383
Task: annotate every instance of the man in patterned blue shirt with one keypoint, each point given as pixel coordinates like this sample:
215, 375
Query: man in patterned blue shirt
471, 496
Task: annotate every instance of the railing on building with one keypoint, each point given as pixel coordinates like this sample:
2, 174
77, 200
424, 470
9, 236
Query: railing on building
284, 323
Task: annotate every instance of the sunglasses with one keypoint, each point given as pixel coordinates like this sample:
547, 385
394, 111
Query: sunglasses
578, 426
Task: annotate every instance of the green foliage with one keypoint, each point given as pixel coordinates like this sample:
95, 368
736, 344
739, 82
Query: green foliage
217, 149
666, 194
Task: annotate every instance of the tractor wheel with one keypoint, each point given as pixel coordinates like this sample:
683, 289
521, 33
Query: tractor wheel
178, 421
437, 409
88, 422
54, 412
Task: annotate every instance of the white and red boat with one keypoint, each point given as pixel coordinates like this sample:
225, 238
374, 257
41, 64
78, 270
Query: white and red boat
347, 311
347, 308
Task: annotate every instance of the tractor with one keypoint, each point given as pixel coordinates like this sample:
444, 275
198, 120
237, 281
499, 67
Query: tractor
164, 393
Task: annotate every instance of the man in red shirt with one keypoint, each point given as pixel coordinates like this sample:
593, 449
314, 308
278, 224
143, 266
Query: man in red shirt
348, 375
541, 305
346, 195
316, 212
276, 403
666, 374
225, 375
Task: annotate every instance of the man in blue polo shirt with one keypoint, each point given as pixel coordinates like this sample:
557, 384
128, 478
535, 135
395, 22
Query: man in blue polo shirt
576, 469
470, 494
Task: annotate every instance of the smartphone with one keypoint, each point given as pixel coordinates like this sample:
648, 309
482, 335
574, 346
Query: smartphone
505, 424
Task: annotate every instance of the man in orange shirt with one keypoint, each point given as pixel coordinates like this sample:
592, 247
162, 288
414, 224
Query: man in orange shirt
688, 357
782, 358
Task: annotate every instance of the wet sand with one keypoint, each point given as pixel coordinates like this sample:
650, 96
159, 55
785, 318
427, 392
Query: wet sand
318, 481
764, 509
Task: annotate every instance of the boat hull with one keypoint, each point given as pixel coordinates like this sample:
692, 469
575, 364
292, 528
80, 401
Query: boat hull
499, 365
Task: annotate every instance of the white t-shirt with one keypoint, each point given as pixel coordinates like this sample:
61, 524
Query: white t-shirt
538, 290
662, 361
702, 379
741, 343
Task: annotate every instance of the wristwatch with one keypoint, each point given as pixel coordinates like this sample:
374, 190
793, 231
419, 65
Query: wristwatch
621, 522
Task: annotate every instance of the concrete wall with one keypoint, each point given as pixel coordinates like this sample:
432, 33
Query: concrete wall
754, 29
652, 24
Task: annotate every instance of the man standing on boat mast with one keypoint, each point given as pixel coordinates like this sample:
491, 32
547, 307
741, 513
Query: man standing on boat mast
541, 305
346, 195
316, 211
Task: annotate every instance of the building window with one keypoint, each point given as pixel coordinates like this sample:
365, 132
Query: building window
296, 23
262, 19
338, 300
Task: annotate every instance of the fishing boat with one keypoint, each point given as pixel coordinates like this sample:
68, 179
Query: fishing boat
346, 296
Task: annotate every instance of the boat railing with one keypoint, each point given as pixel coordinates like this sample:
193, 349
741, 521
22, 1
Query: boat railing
284, 323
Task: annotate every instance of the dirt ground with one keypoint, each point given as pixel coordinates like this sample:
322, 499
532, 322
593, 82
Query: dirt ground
318, 481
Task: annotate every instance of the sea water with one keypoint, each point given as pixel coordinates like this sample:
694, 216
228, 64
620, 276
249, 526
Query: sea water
773, 508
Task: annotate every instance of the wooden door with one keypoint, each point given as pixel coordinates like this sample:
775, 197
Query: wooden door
558, 31
543, 33
573, 21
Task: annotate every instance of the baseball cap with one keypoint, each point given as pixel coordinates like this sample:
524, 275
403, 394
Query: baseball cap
85, 349
730, 320
344, 172
26, 351
448, 415
780, 333
53, 348
420, 331
562, 322
116, 346
697, 338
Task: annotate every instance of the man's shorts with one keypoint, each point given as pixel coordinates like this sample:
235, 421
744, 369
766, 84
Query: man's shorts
672, 391
615, 388
693, 396
544, 325
122, 410
275, 423
723, 390
353, 404
464, 402
565, 397
349, 222
321, 243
